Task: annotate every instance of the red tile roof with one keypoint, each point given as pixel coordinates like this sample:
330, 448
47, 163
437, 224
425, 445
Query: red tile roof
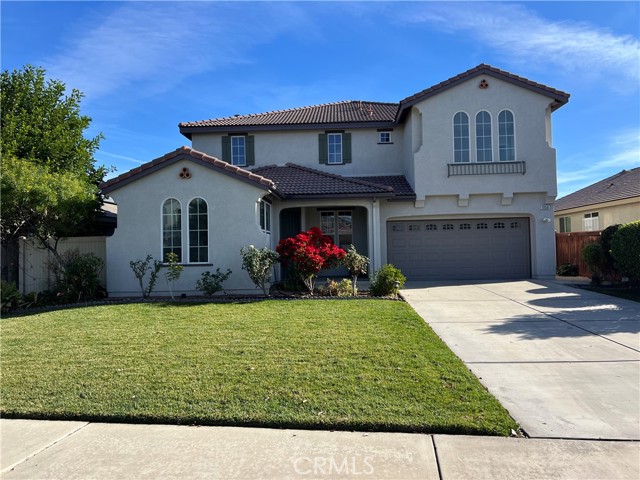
295, 181
622, 185
357, 112
181, 154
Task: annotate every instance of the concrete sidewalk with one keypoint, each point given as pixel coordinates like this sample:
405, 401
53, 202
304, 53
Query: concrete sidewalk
565, 362
34, 449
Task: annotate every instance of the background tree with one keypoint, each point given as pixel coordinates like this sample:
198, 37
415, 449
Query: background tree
49, 178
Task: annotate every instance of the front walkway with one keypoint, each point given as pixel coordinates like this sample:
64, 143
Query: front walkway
565, 362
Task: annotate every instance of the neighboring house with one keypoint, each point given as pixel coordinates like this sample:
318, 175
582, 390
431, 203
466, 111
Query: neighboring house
614, 200
454, 182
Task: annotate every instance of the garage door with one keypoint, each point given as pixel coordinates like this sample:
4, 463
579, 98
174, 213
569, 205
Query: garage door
495, 248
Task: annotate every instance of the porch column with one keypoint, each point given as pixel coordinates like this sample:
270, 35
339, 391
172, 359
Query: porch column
376, 254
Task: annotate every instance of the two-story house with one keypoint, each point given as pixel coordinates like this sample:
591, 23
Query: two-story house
454, 182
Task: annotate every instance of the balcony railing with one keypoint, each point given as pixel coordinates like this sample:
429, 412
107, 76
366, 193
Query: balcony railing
488, 168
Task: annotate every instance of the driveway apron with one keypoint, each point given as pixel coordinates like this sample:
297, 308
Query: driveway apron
565, 362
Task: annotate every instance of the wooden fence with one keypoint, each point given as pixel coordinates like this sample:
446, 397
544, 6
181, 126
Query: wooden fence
569, 249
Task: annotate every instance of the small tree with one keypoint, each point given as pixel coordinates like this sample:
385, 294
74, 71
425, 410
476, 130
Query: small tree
356, 264
259, 262
625, 249
140, 269
308, 253
174, 270
593, 256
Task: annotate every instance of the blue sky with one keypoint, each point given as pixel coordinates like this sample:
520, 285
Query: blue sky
146, 66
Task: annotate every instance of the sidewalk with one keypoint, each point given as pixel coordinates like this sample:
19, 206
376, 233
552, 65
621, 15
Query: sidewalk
33, 449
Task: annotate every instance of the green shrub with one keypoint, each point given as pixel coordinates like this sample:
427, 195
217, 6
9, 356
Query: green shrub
10, 296
567, 270
140, 269
345, 288
356, 264
625, 249
593, 256
384, 281
77, 276
259, 262
606, 238
211, 283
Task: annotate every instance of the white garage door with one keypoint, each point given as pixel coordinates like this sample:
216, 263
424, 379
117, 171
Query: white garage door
491, 248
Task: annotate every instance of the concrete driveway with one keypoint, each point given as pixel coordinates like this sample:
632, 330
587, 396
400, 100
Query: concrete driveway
565, 362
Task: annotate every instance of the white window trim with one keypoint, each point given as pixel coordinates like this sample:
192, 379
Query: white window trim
329, 162
453, 135
162, 259
515, 139
244, 144
588, 221
265, 202
188, 244
475, 135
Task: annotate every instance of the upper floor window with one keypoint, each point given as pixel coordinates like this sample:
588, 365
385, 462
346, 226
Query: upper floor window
385, 137
198, 231
171, 228
591, 222
506, 136
334, 148
461, 137
483, 137
238, 150
265, 216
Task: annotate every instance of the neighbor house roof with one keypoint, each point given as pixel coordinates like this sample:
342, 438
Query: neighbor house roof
357, 113
295, 181
187, 153
620, 186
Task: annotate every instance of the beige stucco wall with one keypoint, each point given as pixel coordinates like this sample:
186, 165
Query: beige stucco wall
611, 213
233, 223
301, 147
433, 150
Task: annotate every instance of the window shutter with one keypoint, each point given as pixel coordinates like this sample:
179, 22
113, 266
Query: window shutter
226, 149
346, 148
322, 148
251, 152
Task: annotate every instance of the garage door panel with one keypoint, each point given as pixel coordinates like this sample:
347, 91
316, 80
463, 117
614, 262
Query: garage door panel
460, 249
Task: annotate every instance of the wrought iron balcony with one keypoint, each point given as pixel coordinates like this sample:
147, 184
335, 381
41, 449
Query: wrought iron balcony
486, 168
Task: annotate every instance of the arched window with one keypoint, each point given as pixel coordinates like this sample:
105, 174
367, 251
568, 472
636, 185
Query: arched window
198, 231
483, 137
506, 136
460, 137
171, 228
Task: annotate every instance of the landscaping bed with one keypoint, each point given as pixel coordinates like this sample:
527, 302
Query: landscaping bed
365, 365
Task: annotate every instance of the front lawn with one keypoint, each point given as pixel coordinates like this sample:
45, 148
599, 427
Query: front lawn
364, 365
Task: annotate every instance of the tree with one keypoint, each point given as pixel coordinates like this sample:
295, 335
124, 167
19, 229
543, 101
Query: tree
259, 262
49, 178
356, 264
308, 253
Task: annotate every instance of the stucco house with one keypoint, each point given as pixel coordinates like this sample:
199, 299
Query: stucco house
457, 181
614, 200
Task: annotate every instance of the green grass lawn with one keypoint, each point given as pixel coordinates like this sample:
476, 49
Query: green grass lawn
363, 365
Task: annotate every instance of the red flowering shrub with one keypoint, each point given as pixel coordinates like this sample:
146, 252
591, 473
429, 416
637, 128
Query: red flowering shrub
308, 253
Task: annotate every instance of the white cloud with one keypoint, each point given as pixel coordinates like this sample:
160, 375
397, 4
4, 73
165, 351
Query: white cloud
524, 36
154, 46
